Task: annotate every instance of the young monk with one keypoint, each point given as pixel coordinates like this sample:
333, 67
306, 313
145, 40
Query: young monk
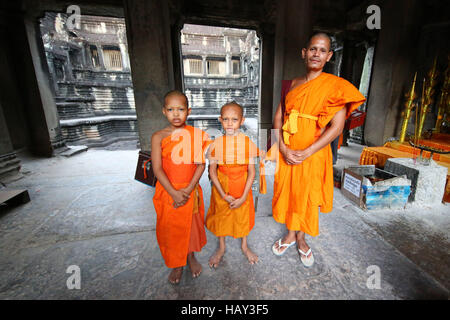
232, 170
178, 162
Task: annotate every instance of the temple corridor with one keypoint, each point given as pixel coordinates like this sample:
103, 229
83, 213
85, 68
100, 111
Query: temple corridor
88, 211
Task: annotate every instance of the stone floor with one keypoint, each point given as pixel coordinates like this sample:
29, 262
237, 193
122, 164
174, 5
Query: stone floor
88, 211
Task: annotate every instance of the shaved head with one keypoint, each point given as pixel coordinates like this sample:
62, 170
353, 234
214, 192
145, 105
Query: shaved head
176, 93
232, 104
319, 35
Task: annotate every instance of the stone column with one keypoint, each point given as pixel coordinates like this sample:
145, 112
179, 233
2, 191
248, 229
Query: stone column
124, 54
101, 59
45, 131
6, 146
393, 68
228, 66
267, 36
149, 45
175, 30
293, 26
204, 66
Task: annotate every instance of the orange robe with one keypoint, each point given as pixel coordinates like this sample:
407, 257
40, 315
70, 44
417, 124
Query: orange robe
299, 190
181, 230
233, 154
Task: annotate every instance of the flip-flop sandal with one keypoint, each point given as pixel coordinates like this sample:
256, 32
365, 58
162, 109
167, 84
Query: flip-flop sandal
287, 245
307, 262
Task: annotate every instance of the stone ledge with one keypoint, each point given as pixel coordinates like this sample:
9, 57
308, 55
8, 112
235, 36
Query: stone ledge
99, 119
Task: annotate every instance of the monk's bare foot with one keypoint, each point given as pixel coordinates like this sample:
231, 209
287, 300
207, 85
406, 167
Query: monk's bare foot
216, 258
251, 256
175, 275
194, 265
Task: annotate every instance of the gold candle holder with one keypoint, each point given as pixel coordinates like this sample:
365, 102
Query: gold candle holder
444, 99
428, 97
410, 96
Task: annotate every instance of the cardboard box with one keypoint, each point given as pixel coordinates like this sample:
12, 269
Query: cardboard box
372, 188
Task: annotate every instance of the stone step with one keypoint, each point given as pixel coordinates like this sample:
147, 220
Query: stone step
73, 150
9, 169
9, 163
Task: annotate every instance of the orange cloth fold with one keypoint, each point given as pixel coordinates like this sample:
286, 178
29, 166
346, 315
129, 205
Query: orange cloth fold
233, 155
299, 190
180, 230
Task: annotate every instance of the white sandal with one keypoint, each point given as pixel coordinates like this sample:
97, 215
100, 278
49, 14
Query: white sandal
307, 262
287, 245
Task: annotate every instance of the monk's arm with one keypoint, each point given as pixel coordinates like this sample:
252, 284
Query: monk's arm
195, 178
289, 155
330, 133
215, 179
248, 185
159, 172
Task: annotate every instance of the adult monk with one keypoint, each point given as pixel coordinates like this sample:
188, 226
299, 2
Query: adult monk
317, 106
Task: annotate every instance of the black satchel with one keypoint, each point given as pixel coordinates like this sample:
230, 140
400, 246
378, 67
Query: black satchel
144, 170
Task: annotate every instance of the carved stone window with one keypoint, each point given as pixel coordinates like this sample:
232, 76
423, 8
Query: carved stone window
236, 66
216, 66
112, 58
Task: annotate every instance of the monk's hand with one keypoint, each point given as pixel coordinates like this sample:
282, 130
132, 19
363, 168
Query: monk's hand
290, 156
302, 155
229, 198
179, 199
186, 192
237, 203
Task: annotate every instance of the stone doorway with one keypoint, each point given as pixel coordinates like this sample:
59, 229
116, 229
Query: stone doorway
221, 65
90, 77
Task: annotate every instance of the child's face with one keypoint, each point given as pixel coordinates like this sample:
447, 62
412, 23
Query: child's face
176, 111
231, 120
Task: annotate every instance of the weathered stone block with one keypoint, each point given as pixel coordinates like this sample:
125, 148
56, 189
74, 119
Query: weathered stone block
427, 182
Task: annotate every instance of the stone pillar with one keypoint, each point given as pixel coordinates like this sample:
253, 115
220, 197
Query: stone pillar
149, 45
124, 54
175, 30
393, 69
267, 35
5, 140
45, 128
101, 59
228, 66
293, 27
204, 66
68, 73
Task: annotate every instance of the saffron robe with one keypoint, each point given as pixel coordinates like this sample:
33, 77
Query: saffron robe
299, 190
180, 230
233, 155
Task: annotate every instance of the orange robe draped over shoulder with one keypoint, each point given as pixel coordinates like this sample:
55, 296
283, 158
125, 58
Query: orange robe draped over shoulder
233, 155
299, 190
180, 230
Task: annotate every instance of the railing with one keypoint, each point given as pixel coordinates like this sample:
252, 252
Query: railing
103, 75
214, 81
